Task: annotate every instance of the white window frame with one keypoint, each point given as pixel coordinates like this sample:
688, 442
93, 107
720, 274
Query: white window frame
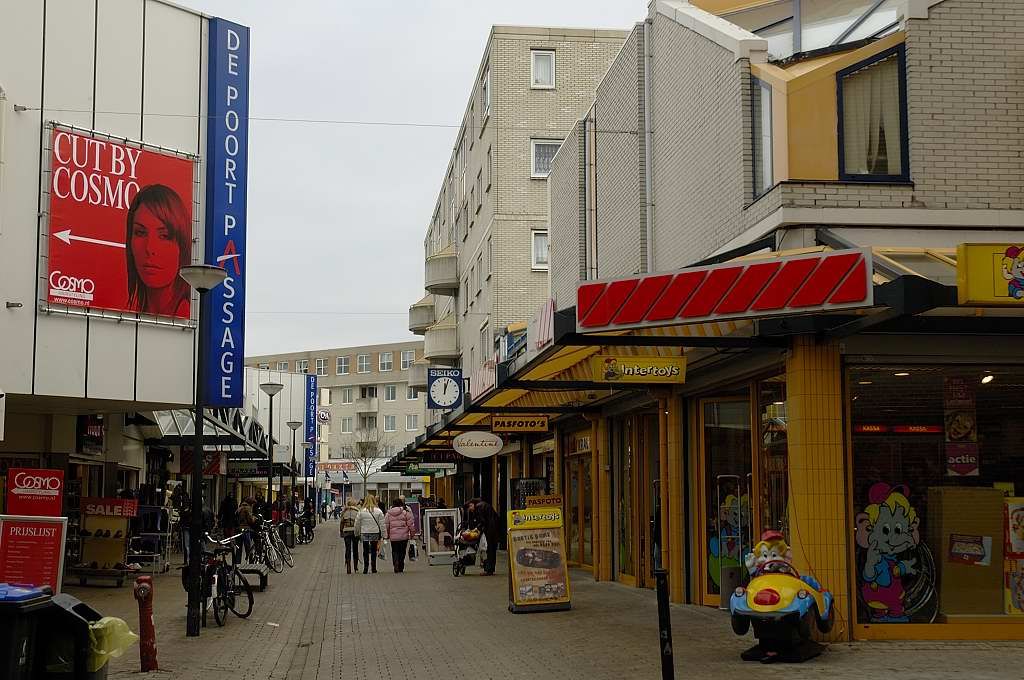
533, 70
370, 423
342, 365
346, 424
408, 356
533, 156
490, 256
488, 169
325, 396
282, 365
390, 423
413, 418
411, 390
485, 96
539, 266
347, 395
302, 366
361, 361
392, 390
321, 367
390, 361
263, 367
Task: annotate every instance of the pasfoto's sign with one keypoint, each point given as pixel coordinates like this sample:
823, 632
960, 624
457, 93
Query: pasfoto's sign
227, 152
35, 491
798, 284
614, 369
990, 274
120, 225
477, 444
517, 423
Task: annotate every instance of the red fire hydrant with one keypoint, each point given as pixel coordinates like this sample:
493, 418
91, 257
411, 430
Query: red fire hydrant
143, 591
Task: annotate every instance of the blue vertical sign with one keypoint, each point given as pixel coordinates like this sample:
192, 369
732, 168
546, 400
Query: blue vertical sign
227, 152
311, 453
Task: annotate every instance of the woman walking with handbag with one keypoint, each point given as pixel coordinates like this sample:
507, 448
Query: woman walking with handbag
399, 528
349, 534
370, 527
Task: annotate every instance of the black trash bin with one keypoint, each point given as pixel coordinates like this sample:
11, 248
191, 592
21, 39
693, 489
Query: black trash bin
287, 530
64, 652
19, 615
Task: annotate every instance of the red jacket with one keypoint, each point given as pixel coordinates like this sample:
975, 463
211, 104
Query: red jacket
398, 524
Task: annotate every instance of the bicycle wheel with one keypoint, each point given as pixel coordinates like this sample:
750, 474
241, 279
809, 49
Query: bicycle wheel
273, 559
242, 595
287, 557
220, 604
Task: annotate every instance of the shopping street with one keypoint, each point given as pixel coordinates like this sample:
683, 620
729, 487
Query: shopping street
316, 622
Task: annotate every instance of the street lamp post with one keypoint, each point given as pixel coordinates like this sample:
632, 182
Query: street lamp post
271, 389
202, 278
294, 425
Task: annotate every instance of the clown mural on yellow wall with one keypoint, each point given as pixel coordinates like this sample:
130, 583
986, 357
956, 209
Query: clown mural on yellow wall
990, 274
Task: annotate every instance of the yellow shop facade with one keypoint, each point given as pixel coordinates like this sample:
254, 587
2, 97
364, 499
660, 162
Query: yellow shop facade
862, 401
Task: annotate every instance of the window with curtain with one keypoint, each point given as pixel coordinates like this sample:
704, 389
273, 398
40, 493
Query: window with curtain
761, 134
543, 152
543, 69
540, 250
872, 103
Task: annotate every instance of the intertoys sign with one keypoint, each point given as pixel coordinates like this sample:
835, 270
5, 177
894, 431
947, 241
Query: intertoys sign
120, 226
35, 492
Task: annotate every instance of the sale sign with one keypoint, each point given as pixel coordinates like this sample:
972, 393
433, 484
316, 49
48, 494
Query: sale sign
120, 226
32, 550
110, 507
35, 491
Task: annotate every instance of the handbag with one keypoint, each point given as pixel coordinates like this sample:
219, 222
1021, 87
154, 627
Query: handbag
412, 551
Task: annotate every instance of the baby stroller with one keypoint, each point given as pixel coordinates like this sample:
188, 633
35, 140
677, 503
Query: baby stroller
467, 544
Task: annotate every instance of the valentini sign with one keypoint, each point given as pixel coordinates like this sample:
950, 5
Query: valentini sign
120, 225
477, 444
801, 284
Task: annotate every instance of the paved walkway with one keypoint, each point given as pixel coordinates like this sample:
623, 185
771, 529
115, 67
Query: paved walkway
316, 622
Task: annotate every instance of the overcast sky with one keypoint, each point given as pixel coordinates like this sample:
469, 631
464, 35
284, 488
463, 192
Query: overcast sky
338, 212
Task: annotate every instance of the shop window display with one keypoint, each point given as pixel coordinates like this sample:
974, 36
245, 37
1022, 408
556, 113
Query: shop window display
937, 466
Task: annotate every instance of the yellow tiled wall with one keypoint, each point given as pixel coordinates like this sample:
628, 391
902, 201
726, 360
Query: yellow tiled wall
817, 468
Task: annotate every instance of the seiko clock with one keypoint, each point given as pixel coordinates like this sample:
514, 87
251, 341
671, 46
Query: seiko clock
446, 392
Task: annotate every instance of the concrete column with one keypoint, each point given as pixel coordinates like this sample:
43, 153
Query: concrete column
676, 509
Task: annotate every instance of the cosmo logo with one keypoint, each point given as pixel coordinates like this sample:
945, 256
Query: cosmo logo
79, 288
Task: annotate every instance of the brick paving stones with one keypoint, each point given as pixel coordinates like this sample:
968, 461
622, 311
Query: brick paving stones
315, 622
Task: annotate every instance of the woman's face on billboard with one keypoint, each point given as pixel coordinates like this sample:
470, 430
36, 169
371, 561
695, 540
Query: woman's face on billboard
154, 248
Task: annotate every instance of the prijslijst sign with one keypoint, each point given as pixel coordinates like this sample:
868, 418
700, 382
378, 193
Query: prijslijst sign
500, 423
612, 369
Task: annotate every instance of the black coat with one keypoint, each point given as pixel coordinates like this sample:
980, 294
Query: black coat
485, 518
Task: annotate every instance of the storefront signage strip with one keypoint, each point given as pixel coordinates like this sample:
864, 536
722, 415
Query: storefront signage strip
799, 284
517, 423
615, 369
227, 147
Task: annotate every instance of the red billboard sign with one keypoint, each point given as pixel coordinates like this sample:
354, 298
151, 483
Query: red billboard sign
120, 226
32, 551
35, 492
110, 507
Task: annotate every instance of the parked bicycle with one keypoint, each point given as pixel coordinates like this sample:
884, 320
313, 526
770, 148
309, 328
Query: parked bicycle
264, 549
306, 533
224, 586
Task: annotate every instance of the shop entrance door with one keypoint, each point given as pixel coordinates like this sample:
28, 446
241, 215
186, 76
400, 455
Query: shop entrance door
726, 461
579, 510
637, 505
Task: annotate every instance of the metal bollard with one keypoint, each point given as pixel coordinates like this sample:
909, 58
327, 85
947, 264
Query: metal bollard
668, 671
143, 592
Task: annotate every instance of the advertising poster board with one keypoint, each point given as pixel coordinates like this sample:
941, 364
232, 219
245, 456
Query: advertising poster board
440, 525
35, 492
32, 550
538, 575
120, 225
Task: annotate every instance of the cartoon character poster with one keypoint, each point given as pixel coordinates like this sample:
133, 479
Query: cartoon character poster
1014, 529
895, 569
729, 535
120, 225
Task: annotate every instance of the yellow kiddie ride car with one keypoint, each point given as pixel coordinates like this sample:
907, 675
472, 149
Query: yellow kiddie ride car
782, 605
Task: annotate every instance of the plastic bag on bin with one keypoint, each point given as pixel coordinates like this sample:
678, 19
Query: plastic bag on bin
109, 638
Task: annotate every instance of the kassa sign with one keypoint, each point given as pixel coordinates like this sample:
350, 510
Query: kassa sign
35, 492
120, 226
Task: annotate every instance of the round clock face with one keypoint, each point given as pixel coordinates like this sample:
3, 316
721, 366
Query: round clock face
445, 391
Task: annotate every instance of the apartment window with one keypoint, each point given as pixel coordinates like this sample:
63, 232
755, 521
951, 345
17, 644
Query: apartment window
479, 189
490, 257
539, 249
412, 422
473, 204
485, 94
488, 168
408, 356
321, 366
872, 108
390, 392
465, 296
325, 396
263, 367
543, 151
302, 366
342, 366
346, 452
368, 423
472, 124
346, 395
389, 423
542, 69
474, 278
363, 363
410, 393
368, 392
387, 360
479, 272
486, 344
761, 134
346, 425
335, 454
322, 430
282, 365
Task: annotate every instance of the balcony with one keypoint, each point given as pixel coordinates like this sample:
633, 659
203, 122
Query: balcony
365, 405
418, 374
441, 341
421, 315
442, 272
